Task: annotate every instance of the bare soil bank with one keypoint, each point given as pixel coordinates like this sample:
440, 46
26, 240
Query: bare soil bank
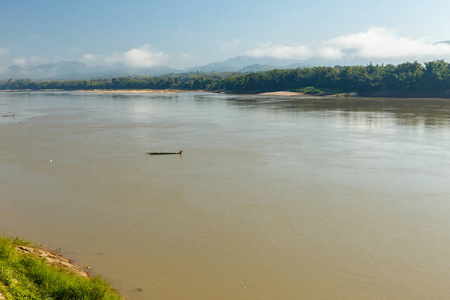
53, 259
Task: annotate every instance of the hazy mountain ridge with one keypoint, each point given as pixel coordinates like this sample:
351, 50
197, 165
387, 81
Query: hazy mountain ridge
72, 70
238, 63
77, 70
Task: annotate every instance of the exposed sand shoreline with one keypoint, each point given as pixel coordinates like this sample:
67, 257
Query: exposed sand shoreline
133, 91
169, 91
282, 93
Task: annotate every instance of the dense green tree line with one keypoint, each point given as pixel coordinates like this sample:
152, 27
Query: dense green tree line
431, 77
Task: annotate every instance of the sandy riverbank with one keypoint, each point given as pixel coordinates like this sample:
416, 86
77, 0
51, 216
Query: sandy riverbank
282, 93
133, 91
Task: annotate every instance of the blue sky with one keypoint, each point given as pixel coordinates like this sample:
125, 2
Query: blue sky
186, 33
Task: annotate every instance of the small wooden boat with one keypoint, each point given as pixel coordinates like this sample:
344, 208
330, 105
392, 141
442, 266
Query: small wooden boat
164, 153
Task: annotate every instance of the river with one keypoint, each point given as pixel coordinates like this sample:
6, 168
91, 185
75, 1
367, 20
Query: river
273, 197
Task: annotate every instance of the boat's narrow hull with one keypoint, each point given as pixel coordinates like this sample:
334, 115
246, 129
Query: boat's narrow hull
163, 153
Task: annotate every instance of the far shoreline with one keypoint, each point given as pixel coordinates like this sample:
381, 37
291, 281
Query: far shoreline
111, 91
283, 93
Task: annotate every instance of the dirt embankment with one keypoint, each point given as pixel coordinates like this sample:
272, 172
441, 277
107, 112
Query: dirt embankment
53, 259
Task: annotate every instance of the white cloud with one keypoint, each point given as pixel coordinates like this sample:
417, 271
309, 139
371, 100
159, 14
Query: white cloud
331, 53
33, 60
4, 51
374, 43
113, 59
91, 59
22, 61
280, 51
383, 43
186, 56
143, 57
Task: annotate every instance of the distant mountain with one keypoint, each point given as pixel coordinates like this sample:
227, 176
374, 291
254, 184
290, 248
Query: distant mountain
42, 71
239, 63
77, 70
247, 64
72, 70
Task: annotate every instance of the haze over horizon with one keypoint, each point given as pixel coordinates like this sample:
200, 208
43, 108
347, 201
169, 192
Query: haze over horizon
180, 34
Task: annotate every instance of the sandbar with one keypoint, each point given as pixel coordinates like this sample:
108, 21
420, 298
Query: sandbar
282, 93
132, 91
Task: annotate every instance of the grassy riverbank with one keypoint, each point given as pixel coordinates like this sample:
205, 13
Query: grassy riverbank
33, 273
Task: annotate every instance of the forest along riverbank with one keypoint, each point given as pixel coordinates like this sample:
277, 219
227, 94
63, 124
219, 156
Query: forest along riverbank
410, 79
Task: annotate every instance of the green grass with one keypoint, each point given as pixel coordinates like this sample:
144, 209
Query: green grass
30, 277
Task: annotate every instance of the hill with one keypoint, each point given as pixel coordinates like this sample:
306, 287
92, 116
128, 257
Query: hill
70, 70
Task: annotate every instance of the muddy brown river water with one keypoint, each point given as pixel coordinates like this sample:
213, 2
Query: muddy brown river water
273, 197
